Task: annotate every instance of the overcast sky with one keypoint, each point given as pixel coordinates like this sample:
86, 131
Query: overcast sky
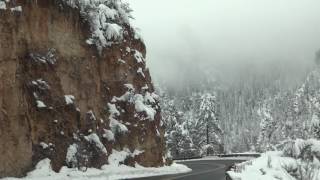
186, 33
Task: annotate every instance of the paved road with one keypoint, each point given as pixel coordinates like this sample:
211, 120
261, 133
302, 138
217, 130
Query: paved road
201, 170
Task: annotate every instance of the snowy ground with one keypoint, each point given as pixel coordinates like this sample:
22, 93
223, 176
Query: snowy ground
271, 166
43, 171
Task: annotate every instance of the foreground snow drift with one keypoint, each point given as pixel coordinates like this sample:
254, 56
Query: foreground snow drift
267, 167
274, 166
43, 171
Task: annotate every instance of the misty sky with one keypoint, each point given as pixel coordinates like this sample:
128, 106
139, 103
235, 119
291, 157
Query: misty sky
184, 34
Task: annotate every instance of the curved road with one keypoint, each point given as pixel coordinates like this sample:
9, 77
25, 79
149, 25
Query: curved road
201, 170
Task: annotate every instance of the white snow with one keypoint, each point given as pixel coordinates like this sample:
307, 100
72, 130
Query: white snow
149, 97
140, 71
115, 125
113, 110
145, 87
315, 121
41, 84
71, 158
108, 134
122, 61
142, 103
113, 31
91, 115
3, 5
40, 104
129, 87
138, 56
118, 157
102, 15
17, 9
125, 97
94, 138
140, 106
69, 99
44, 145
270, 166
44, 171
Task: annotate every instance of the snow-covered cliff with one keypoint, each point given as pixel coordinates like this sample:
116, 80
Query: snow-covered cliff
74, 86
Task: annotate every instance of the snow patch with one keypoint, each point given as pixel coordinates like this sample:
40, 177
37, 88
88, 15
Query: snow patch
138, 56
69, 99
108, 134
101, 15
16, 9
94, 138
40, 104
3, 5
41, 84
141, 106
44, 145
71, 158
140, 71
115, 125
118, 157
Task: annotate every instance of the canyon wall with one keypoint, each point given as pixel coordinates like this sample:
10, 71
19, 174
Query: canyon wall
70, 95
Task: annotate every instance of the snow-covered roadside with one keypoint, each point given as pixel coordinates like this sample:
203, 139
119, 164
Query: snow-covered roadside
43, 171
268, 167
274, 166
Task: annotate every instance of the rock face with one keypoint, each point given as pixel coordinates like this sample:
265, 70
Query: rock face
67, 95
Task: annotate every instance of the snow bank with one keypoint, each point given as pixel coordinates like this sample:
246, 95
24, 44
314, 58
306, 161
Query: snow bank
270, 166
43, 171
118, 157
274, 166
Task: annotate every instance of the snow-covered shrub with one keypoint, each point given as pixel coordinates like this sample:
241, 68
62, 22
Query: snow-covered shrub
109, 20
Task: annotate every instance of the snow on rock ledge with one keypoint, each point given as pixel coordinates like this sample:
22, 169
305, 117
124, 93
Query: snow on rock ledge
101, 15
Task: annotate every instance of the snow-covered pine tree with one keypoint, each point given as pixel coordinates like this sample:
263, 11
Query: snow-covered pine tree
209, 136
267, 126
307, 105
178, 139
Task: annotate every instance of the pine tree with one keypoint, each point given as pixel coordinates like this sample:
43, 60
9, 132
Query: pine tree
267, 127
178, 139
209, 131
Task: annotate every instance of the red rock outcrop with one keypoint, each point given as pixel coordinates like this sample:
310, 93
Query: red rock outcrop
58, 90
